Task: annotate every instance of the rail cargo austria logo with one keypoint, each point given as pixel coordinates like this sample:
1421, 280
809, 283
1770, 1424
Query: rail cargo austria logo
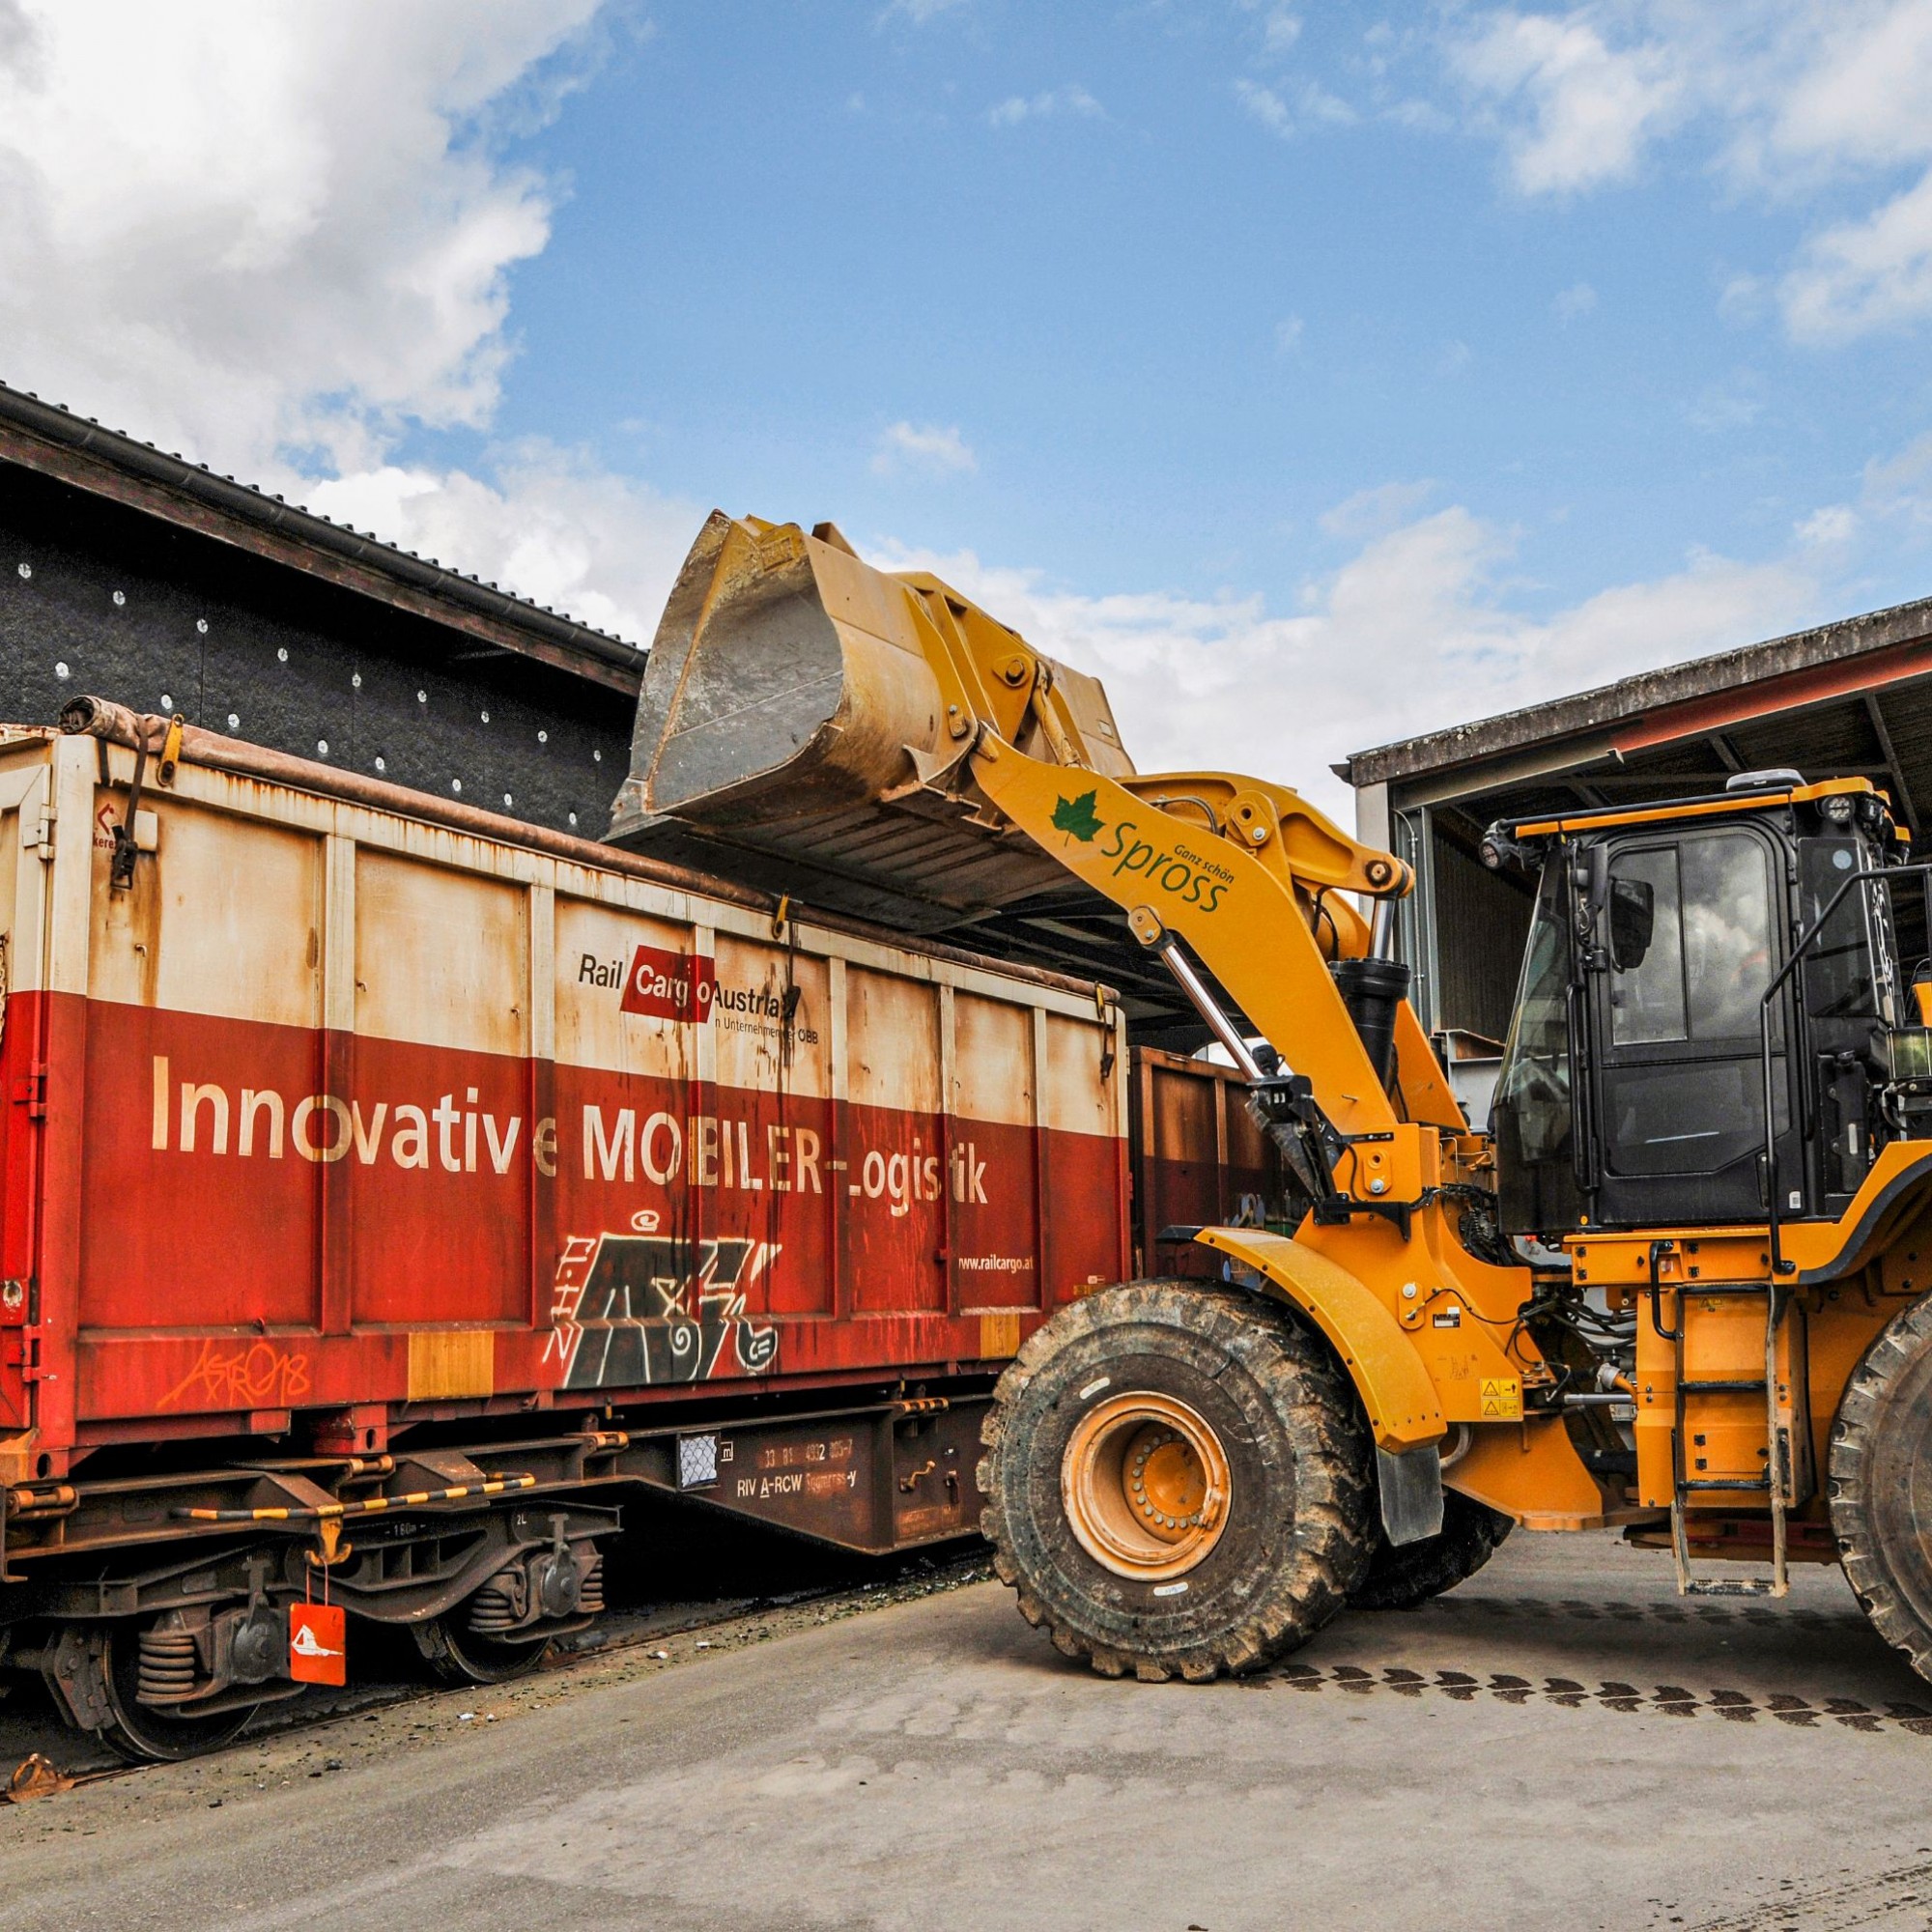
669, 986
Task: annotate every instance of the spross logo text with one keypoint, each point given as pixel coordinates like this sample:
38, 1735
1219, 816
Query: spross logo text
1189, 875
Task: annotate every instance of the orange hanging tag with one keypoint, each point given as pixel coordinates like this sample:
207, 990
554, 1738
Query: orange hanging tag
318, 1643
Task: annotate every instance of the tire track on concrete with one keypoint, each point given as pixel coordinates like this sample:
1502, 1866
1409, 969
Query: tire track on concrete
1670, 1700
1898, 1898
1671, 1610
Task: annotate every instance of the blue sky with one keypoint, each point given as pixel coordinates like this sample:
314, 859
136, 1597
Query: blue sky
1317, 374
1171, 334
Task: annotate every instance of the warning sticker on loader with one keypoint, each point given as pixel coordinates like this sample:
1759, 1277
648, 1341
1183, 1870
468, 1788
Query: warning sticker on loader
1501, 1398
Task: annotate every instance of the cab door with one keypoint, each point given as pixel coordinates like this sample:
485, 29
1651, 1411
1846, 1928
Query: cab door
1688, 926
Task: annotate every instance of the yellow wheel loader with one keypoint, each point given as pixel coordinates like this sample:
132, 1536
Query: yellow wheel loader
1683, 1288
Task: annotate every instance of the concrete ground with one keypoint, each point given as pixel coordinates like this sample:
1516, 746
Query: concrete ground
1559, 1744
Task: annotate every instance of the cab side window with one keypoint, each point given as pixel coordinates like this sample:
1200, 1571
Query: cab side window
1705, 961
1647, 1000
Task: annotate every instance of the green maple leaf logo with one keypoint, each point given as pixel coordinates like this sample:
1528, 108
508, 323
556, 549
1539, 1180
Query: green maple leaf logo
1077, 816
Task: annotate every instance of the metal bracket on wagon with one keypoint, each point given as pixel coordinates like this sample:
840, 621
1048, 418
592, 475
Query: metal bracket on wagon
1382, 1361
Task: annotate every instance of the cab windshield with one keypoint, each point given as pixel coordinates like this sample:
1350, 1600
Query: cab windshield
1533, 1084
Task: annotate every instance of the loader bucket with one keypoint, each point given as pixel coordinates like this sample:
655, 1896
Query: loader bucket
793, 732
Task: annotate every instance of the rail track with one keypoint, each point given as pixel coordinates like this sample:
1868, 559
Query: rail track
395, 1675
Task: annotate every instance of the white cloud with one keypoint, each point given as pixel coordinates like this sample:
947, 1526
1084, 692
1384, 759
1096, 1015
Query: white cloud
1865, 275
1800, 97
1578, 300
1317, 103
1018, 107
1311, 103
1898, 488
551, 526
1741, 298
1859, 85
1828, 529
1266, 105
1288, 335
922, 447
1280, 30
243, 230
1410, 634
919, 12
1422, 117
275, 237
1736, 403
1374, 512
1590, 108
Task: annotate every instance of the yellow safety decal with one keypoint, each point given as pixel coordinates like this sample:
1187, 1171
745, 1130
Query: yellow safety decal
445, 1363
1501, 1398
999, 1335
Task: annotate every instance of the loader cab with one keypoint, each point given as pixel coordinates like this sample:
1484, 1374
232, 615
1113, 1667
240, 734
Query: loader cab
1633, 1082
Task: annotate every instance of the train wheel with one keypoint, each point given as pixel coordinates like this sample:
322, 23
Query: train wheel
146, 1733
1881, 1483
457, 1655
1176, 1481
1400, 1578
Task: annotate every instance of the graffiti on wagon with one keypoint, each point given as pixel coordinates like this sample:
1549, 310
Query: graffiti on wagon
641, 1310
253, 1375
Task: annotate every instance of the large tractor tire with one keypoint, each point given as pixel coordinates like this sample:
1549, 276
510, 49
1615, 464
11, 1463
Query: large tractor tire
1400, 1578
1881, 1483
1177, 1481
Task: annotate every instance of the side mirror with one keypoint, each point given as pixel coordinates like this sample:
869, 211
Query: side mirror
1633, 920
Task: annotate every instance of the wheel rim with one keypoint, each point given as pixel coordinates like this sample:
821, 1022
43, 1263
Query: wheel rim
1146, 1485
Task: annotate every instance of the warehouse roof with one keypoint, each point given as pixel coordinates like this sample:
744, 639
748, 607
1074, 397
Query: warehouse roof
1801, 668
50, 440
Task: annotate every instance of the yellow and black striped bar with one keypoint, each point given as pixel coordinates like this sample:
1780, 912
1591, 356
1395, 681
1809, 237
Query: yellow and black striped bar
494, 1486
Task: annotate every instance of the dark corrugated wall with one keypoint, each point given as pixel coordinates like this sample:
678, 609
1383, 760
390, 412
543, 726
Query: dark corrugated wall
1480, 923
251, 647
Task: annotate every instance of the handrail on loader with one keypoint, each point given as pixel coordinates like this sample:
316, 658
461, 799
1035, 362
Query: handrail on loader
1779, 1264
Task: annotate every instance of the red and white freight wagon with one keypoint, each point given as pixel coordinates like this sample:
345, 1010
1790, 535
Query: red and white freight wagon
384, 1188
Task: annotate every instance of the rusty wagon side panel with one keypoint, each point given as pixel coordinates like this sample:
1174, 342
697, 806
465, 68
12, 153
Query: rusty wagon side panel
1198, 1158
338, 1120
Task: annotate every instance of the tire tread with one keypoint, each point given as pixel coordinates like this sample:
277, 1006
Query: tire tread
1329, 1440
1855, 1508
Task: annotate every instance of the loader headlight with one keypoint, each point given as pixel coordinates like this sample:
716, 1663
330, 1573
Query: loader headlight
1838, 807
1499, 849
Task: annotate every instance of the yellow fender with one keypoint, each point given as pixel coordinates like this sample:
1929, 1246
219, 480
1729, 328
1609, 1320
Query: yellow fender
1387, 1372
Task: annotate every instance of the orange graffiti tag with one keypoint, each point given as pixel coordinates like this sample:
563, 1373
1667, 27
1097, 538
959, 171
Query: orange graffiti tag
259, 1376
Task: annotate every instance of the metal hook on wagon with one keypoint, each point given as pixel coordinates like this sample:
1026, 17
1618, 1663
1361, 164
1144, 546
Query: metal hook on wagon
328, 1532
171, 750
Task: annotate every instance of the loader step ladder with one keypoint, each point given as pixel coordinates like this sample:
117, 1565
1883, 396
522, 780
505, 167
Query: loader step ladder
1776, 1482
